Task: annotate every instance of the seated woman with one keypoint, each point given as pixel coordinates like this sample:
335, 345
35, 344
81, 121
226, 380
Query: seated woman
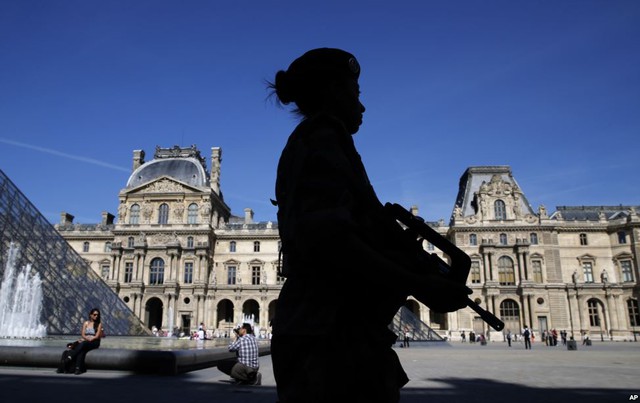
90, 340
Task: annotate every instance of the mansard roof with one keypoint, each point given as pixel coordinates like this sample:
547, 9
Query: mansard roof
183, 164
474, 177
593, 213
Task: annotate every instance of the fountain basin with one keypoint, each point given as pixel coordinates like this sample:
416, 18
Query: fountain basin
152, 360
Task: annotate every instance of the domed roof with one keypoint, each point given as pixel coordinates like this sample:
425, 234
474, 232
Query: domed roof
185, 170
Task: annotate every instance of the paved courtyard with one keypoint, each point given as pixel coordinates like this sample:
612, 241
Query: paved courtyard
439, 372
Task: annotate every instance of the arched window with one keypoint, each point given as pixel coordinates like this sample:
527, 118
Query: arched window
163, 214
503, 239
510, 314
156, 272
134, 216
533, 238
130, 242
594, 313
85, 247
506, 273
634, 313
473, 239
500, 210
256, 246
190, 242
232, 246
192, 214
509, 310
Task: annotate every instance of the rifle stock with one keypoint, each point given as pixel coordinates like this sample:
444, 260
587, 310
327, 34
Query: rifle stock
460, 261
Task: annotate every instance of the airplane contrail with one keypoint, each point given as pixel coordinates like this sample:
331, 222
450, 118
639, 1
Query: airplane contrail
64, 155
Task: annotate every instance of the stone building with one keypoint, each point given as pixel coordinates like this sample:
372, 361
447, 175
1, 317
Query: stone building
178, 257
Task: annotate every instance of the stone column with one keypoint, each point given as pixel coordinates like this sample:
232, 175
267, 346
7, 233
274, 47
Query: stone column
520, 271
612, 312
581, 322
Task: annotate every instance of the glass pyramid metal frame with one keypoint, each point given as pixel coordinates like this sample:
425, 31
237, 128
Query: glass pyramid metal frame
70, 287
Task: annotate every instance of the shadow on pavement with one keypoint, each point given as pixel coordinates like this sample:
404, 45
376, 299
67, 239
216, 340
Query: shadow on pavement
141, 388
488, 390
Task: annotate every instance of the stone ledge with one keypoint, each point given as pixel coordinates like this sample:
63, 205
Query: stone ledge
162, 362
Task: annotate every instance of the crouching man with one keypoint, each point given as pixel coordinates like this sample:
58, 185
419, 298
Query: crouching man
244, 368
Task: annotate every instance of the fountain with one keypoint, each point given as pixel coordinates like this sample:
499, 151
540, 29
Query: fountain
20, 300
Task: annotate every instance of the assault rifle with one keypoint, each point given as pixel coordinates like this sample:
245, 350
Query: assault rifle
460, 261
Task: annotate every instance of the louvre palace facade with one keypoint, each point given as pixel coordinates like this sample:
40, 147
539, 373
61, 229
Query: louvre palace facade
178, 257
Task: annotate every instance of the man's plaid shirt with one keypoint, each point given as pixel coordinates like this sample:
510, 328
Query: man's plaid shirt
247, 349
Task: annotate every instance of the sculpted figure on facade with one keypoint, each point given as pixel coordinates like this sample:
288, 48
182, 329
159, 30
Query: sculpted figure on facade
205, 211
178, 211
122, 212
147, 211
542, 211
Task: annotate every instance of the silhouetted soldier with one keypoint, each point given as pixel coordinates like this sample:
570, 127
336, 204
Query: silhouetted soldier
346, 271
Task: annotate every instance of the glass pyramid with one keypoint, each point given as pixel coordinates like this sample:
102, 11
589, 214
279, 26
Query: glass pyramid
70, 287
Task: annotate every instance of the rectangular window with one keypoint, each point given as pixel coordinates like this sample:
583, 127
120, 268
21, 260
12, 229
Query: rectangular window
537, 271
188, 272
622, 237
627, 273
256, 246
105, 271
583, 239
255, 275
634, 313
594, 316
475, 272
587, 269
128, 272
231, 275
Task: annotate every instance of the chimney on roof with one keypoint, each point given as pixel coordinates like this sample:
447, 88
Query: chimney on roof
66, 218
138, 158
107, 218
248, 216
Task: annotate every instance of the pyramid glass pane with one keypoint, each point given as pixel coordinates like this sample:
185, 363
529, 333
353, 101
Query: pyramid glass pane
70, 287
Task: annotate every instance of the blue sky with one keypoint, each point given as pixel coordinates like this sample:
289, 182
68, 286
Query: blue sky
551, 88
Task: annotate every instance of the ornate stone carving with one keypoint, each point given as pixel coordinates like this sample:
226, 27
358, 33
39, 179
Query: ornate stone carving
163, 186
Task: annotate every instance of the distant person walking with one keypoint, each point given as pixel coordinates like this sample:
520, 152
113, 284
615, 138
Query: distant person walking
526, 334
407, 335
509, 337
